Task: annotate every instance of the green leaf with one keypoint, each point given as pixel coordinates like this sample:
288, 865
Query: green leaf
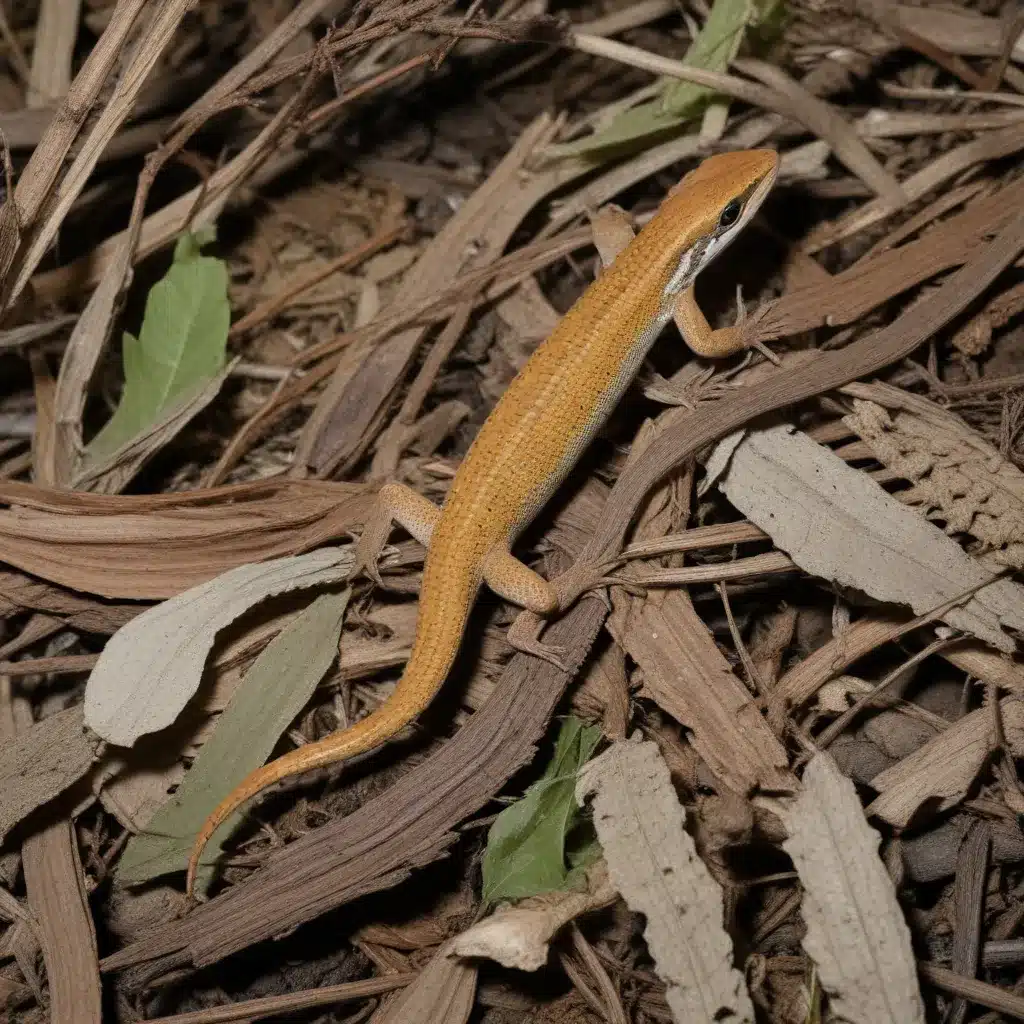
526, 846
180, 349
276, 687
714, 47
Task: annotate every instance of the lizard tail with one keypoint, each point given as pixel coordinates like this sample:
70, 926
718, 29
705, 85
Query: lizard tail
438, 634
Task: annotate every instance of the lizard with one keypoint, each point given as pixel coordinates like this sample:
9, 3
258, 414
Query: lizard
529, 443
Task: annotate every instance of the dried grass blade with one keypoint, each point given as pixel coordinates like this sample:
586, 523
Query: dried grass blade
116, 110
827, 123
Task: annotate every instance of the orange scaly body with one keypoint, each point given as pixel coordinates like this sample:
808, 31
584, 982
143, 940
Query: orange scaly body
533, 438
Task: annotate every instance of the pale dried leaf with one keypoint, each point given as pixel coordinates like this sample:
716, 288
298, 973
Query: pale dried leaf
855, 930
40, 763
152, 666
837, 523
280, 682
518, 936
653, 863
944, 768
444, 993
957, 476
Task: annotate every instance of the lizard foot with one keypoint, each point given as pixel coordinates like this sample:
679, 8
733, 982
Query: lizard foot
523, 635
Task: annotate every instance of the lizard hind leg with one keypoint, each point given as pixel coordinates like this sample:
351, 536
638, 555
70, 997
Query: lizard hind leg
511, 579
395, 503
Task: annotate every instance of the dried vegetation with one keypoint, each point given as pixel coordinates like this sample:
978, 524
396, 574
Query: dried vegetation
797, 782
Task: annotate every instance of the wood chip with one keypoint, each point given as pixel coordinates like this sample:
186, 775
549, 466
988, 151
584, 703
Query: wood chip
944, 768
40, 763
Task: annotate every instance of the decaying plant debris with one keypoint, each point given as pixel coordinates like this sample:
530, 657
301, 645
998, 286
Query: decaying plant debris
257, 259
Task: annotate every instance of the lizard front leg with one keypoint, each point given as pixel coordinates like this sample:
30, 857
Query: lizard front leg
712, 344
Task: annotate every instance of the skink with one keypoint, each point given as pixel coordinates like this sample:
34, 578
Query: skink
530, 442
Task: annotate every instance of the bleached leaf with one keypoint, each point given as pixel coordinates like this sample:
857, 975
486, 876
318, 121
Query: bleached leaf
653, 863
280, 682
152, 666
855, 930
518, 936
837, 523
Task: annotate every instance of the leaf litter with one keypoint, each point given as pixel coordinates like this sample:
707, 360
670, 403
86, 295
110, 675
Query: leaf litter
276, 687
378, 313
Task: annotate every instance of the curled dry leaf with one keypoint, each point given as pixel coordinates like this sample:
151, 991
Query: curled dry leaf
855, 930
96, 543
653, 863
518, 936
837, 523
945, 767
152, 666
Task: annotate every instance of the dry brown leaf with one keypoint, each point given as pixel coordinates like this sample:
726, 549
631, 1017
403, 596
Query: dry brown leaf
688, 676
837, 523
855, 929
74, 610
152, 667
96, 543
983, 147
519, 936
40, 763
653, 863
945, 767
956, 475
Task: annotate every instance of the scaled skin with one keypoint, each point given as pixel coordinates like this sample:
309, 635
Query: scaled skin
530, 442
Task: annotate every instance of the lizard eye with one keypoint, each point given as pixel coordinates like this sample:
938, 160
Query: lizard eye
730, 214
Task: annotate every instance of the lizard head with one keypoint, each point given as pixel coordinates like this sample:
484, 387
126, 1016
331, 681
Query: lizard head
708, 208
